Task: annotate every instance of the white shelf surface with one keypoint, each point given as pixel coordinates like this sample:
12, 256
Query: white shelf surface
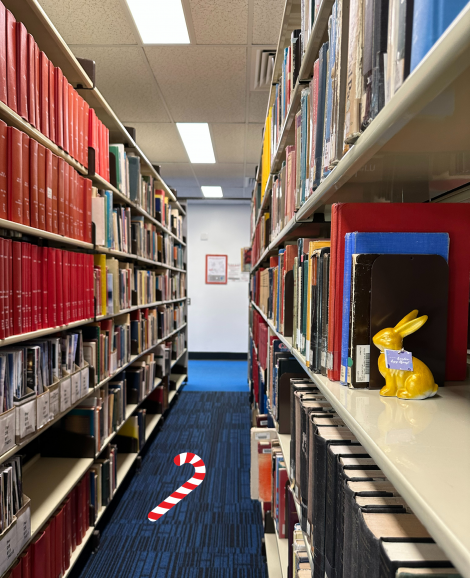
418, 445
124, 464
175, 361
283, 549
179, 379
151, 422
272, 556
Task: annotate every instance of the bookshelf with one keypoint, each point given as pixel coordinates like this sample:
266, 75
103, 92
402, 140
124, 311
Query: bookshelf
48, 481
408, 447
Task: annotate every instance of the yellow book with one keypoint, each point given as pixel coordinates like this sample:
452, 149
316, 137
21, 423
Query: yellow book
131, 428
100, 261
266, 156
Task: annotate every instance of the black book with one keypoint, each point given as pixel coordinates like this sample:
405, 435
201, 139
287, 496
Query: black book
324, 313
379, 50
304, 386
318, 295
296, 55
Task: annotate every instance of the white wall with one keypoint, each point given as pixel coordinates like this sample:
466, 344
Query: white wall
218, 314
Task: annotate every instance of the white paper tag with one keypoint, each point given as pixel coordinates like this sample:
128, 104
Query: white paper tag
362, 363
75, 387
23, 528
43, 411
343, 374
85, 381
330, 361
65, 394
262, 436
26, 419
8, 547
49, 193
323, 358
7, 431
267, 451
54, 407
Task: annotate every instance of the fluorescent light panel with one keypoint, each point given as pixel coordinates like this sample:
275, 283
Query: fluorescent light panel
160, 21
197, 141
212, 192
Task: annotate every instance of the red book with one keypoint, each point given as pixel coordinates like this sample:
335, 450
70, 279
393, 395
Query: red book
34, 288
24, 286
52, 287
60, 543
60, 196
67, 532
31, 80
79, 490
73, 517
26, 181
72, 215
16, 570
65, 104
33, 184
413, 218
38, 556
65, 286
52, 546
26, 564
10, 23
47, 546
52, 127
22, 79
59, 107
37, 86
44, 93
86, 126
48, 169
81, 207
88, 220
55, 194
39, 286
60, 287
80, 286
76, 204
17, 288
86, 512
41, 187
67, 169
3, 170
3, 282
97, 146
76, 125
71, 119
3, 56
15, 175
46, 322
8, 285
80, 128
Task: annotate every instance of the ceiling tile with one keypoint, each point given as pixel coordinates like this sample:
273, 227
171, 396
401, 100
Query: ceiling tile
220, 21
179, 175
267, 18
90, 21
161, 142
229, 142
126, 82
258, 106
201, 83
221, 174
253, 143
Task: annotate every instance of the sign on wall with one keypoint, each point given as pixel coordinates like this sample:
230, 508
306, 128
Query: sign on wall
216, 269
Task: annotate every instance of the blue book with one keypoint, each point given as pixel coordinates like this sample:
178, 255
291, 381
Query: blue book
382, 244
431, 18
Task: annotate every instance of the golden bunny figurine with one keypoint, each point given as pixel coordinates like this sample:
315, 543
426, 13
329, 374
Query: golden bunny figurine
415, 384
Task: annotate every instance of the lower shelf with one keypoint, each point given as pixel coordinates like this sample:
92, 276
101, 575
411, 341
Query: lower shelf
272, 556
151, 422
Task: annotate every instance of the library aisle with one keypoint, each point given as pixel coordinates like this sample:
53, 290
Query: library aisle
216, 531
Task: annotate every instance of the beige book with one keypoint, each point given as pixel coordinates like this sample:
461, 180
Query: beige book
352, 115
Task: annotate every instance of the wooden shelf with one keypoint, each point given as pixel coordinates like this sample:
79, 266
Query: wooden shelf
406, 440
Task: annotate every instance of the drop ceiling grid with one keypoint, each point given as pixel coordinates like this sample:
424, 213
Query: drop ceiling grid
220, 21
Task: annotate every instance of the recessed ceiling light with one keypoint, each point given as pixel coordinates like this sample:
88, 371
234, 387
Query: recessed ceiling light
160, 21
212, 192
197, 141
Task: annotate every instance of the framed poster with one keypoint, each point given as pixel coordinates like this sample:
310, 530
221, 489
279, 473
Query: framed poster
216, 269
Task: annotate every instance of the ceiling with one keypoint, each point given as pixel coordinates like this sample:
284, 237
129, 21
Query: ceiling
151, 87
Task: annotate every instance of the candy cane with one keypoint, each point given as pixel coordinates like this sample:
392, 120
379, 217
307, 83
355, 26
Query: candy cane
185, 489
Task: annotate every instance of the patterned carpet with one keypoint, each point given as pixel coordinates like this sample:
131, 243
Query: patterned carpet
216, 531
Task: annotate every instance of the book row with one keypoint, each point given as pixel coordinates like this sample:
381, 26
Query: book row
42, 287
40, 93
372, 48
333, 296
41, 190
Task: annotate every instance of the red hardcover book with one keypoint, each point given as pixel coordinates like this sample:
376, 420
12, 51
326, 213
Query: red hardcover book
59, 107
60, 196
414, 218
67, 169
47, 539
67, 532
65, 104
8, 286
10, 23
22, 68
3, 170
71, 119
37, 86
38, 557
52, 287
86, 513
46, 321
97, 147
3, 283
80, 128
72, 215
65, 285
79, 490
16, 570
86, 127
17, 288
80, 287
3, 55
31, 80
41, 187
106, 152
44, 93
60, 286
29, 285
26, 564
60, 543
52, 124
34, 288
48, 169
55, 194
73, 517
39, 287
26, 181
81, 207
24, 286
33, 183
15, 175
88, 185
77, 205
76, 125
52, 546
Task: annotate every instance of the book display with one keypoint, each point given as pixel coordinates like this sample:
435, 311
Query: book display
360, 291
93, 298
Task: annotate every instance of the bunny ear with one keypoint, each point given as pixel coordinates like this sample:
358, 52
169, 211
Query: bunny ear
407, 318
412, 326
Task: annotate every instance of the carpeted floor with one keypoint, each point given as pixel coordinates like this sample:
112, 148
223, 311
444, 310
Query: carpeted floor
216, 531
217, 376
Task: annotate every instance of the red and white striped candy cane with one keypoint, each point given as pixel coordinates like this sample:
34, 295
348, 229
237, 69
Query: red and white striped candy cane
185, 489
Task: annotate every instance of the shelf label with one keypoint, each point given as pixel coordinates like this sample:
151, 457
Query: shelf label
23, 528
54, 406
26, 419
85, 381
8, 547
75, 387
43, 409
362, 363
7, 431
65, 394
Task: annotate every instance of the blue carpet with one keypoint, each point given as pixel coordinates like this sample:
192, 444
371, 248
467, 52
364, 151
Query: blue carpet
216, 531
217, 376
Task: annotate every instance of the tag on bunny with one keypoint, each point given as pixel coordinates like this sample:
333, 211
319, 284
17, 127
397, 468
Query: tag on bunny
398, 359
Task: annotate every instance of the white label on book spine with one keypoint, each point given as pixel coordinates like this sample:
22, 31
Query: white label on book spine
75, 387
49, 193
362, 363
343, 374
262, 436
323, 359
267, 451
330, 361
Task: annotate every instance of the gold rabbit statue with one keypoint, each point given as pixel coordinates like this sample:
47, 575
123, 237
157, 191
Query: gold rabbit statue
415, 384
